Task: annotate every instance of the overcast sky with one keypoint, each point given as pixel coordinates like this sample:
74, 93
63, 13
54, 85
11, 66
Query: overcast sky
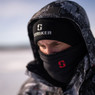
15, 14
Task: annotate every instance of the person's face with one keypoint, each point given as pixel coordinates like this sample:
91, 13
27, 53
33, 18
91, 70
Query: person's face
52, 46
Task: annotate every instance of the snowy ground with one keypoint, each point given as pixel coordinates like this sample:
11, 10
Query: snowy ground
12, 70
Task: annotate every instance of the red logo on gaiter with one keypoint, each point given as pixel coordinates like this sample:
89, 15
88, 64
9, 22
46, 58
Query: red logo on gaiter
61, 64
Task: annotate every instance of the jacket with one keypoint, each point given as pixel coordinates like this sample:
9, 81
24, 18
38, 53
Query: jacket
83, 81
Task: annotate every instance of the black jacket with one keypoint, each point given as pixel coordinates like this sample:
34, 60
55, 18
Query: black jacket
83, 82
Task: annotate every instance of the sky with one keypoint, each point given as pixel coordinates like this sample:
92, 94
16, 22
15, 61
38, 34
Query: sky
15, 14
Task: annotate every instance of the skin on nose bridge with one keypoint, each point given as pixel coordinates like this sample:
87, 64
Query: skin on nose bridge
49, 50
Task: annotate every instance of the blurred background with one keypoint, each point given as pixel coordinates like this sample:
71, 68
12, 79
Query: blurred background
15, 51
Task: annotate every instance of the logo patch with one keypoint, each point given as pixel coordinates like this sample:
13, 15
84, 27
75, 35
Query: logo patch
61, 64
39, 27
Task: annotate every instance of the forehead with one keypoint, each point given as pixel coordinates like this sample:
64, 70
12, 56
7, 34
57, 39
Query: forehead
48, 41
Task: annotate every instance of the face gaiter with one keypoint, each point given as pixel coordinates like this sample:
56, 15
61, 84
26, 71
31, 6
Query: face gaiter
61, 66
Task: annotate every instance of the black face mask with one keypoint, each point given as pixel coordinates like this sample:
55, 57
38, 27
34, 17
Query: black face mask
62, 65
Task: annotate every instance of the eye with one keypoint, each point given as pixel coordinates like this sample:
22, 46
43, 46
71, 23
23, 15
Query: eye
54, 44
41, 46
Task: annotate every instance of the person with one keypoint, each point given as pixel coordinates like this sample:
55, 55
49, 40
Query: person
64, 51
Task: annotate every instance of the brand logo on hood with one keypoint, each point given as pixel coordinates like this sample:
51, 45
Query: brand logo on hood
39, 27
41, 31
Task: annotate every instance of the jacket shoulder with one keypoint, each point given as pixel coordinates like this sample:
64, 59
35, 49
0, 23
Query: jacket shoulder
33, 87
88, 87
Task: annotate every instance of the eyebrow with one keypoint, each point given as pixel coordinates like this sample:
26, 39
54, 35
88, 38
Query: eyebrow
52, 43
38, 43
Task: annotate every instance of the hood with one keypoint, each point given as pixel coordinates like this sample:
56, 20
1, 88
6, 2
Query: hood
69, 10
